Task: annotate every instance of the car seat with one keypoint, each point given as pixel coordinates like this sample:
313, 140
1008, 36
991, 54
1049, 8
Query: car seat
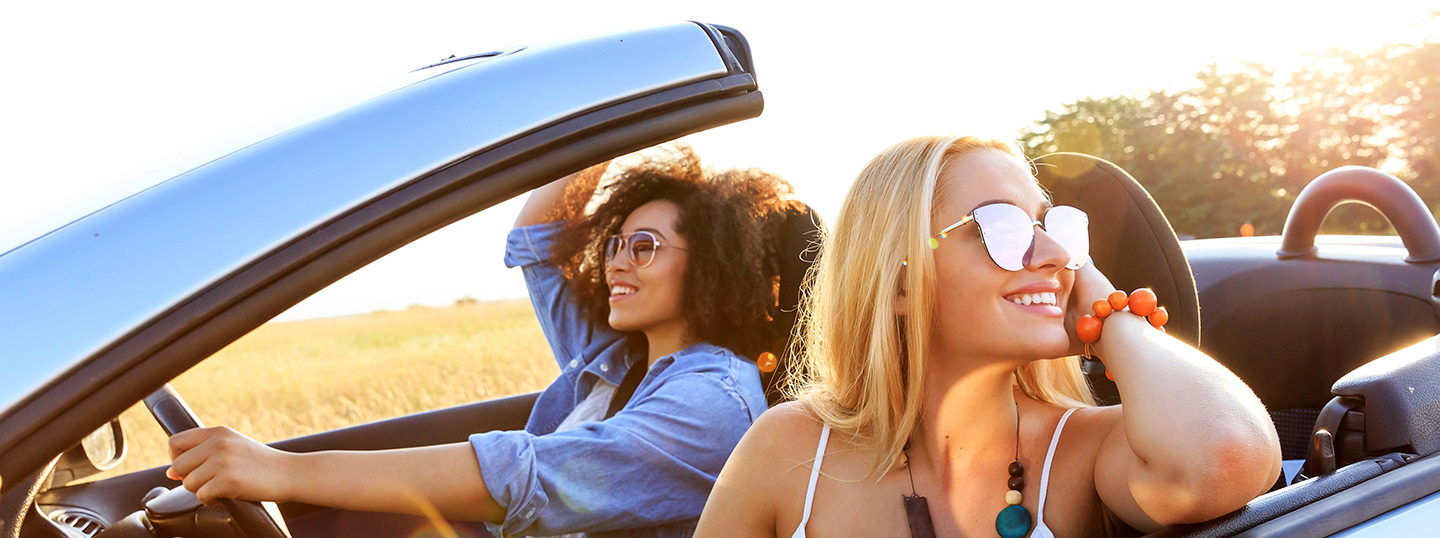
1130, 241
800, 249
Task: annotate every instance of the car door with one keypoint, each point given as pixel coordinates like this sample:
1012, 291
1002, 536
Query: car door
172, 274
1337, 336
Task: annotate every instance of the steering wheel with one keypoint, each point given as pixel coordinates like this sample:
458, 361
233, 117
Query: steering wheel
254, 520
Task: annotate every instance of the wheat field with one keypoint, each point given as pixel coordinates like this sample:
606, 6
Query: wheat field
295, 378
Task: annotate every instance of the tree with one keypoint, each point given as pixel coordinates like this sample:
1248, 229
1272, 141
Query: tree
1406, 91
1238, 144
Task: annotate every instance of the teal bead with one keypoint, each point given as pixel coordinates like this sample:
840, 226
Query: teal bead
1013, 522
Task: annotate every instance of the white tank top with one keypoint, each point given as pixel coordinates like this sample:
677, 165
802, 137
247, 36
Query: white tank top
1040, 531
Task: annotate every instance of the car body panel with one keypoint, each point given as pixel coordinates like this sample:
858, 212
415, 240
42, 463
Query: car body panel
1416, 519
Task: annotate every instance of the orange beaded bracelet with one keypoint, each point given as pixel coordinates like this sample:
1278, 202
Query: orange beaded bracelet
1141, 302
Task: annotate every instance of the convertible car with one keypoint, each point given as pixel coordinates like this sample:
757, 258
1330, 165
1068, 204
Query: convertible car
1335, 333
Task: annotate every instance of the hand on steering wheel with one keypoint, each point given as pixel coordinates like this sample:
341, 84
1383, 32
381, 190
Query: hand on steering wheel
175, 417
220, 463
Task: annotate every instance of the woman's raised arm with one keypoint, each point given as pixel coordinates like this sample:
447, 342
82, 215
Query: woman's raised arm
1191, 441
773, 459
549, 203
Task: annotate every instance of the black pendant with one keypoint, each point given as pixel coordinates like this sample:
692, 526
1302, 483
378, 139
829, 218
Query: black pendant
918, 512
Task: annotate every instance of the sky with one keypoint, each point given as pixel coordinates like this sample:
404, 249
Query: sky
100, 97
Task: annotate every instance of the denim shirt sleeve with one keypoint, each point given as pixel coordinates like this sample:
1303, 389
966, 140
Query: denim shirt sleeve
651, 464
564, 324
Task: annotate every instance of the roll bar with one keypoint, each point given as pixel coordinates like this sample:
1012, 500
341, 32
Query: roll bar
1393, 198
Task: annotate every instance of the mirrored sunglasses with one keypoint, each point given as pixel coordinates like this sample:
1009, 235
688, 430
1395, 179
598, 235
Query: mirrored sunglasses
1009, 234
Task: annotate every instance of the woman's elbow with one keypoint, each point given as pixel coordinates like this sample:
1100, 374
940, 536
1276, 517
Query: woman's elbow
1231, 469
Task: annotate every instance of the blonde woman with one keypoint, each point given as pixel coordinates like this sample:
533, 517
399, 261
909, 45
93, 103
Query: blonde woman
939, 394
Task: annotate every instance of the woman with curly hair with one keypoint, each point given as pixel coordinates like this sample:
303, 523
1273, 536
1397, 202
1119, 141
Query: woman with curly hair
651, 302
940, 392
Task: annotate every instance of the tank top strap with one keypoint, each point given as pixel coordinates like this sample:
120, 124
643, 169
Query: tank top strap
1045, 473
814, 477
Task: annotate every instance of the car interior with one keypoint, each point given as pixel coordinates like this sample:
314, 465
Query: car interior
172, 511
1288, 328
1330, 333
1335, 336
1323, 334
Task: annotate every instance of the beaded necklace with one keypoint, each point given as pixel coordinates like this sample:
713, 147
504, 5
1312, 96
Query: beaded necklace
1013, 521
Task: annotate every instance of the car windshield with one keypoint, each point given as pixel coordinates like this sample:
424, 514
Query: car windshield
34, 222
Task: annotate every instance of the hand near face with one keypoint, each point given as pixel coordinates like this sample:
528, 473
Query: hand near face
220, 463
1090, 286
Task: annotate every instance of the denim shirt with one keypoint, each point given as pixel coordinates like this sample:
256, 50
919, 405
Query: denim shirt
645, 471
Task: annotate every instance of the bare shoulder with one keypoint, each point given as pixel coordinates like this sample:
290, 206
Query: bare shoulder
783, 436
768, 466
1086, 425
789, 442
1086, 432
790, 415
1094, 424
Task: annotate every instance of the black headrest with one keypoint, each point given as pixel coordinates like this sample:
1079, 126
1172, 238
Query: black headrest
800, 249
1130, 239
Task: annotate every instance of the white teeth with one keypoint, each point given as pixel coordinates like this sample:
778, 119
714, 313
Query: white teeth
1034, 298
622, 290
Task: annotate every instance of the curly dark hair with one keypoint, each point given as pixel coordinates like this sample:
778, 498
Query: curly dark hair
731, 221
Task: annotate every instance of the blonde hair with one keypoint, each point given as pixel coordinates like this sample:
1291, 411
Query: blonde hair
862, 366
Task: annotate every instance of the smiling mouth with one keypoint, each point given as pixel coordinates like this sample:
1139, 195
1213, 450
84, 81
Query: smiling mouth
621, 290
1028, 299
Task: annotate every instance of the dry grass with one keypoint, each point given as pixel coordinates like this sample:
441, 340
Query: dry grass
294, 378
